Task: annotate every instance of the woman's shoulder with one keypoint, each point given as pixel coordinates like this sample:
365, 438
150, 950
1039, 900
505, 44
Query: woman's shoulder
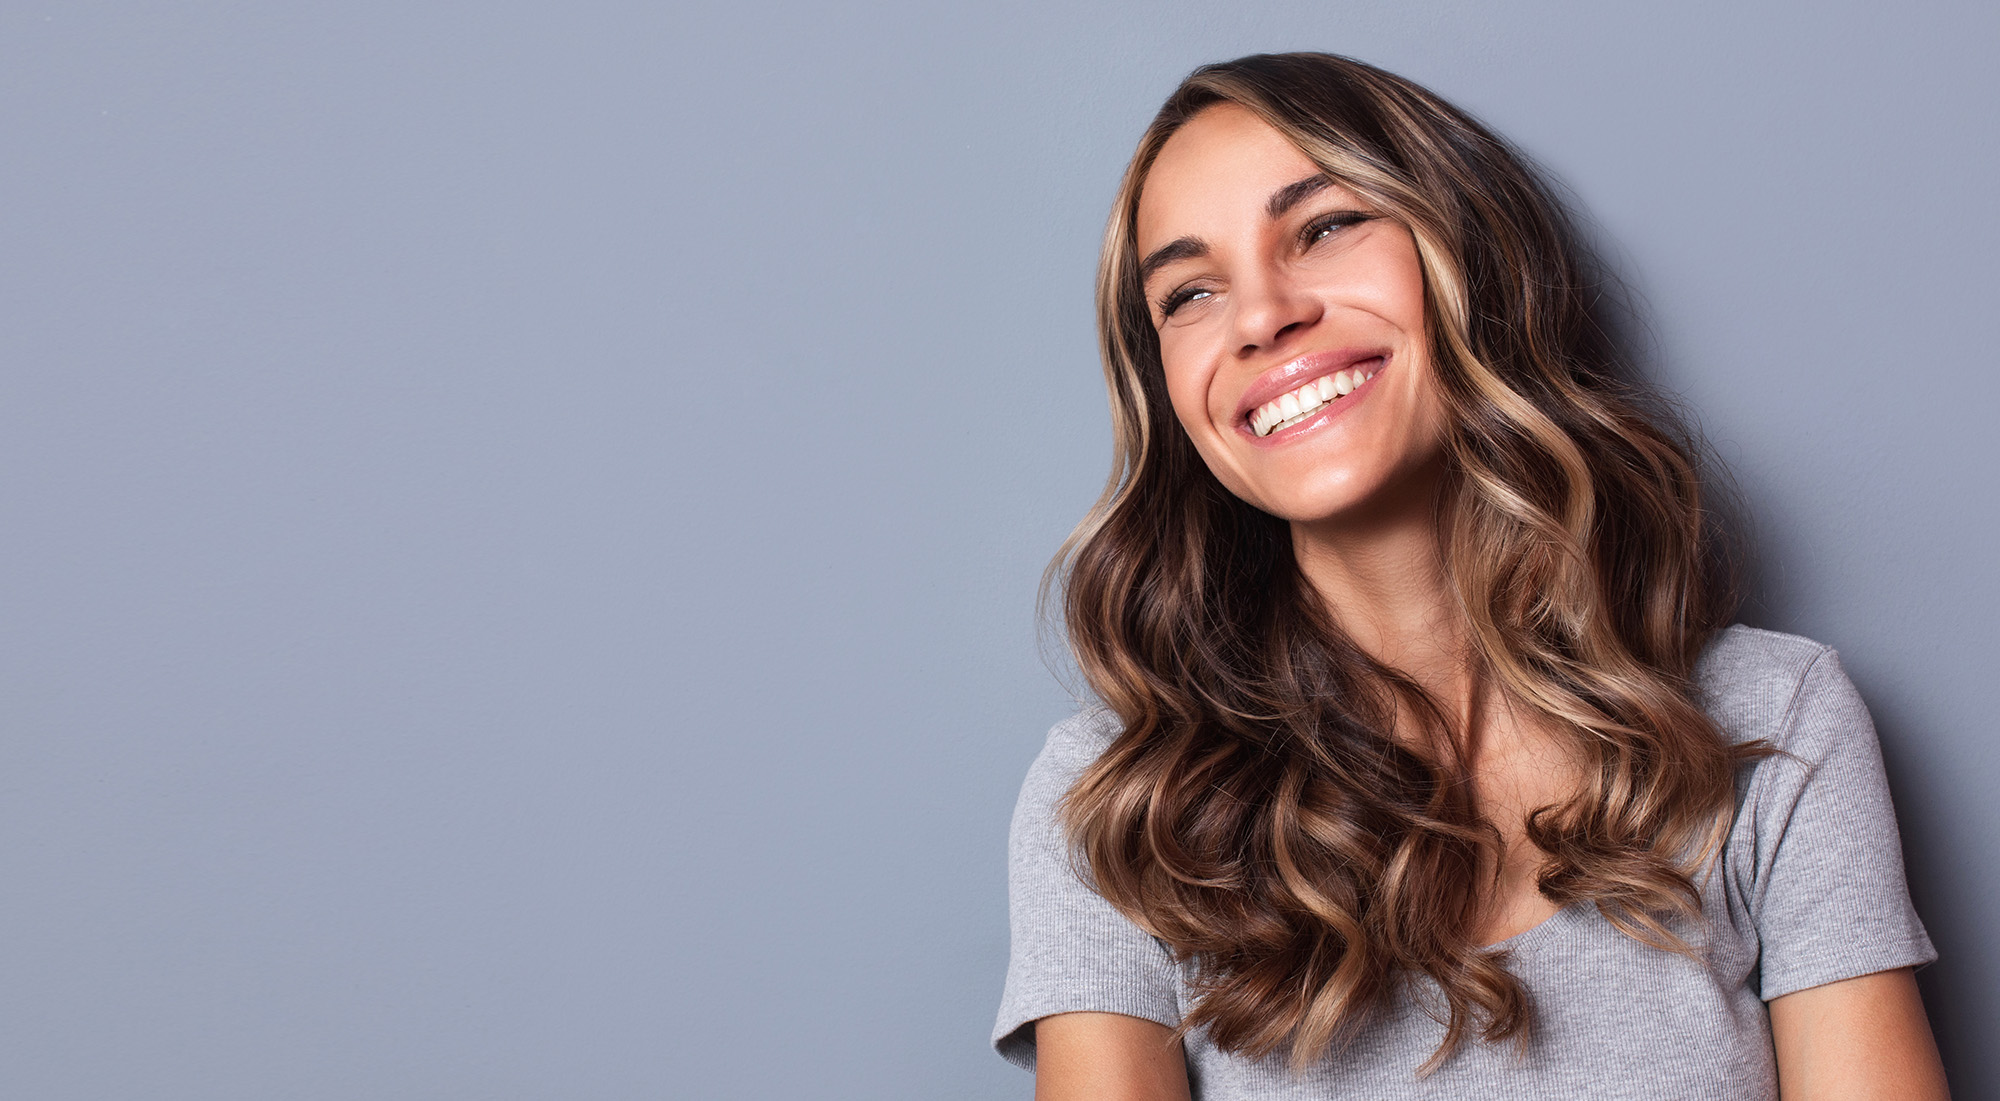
1080, 738
1813, 862
1072, 745
1785, 689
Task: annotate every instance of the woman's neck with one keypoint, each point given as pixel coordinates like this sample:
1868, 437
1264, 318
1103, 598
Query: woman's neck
1382, 579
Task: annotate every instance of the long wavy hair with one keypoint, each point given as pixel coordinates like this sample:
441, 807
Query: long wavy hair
1295, 819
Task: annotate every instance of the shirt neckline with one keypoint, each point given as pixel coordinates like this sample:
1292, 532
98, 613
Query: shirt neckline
1532, 933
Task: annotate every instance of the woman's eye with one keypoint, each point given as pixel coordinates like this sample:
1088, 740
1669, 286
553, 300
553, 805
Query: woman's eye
1326, 225
1176, 299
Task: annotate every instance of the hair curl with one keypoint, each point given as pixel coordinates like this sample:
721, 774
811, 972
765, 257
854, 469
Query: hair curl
1256, 813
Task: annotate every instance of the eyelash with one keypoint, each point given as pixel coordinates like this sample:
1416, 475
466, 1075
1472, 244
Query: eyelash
1309, 235
1339, 219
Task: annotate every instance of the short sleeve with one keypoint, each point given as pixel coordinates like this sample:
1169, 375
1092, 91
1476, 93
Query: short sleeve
1071, 951
1829, 900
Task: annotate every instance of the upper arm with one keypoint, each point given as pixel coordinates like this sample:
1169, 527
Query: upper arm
1107, 1057
1859, 1039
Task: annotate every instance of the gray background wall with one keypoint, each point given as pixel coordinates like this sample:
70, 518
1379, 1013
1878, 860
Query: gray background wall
520, 521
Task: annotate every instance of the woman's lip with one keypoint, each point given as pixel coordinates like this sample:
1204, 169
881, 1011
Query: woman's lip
1293, 374
1321, 416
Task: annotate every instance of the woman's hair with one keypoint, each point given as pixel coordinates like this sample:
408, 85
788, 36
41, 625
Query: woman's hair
1257, 814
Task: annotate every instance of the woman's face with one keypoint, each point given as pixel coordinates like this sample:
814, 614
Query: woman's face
1291, 322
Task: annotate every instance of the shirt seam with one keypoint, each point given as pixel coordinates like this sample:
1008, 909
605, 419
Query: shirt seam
1787, 726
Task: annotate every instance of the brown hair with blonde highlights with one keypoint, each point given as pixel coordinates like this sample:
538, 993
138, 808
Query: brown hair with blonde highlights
1293, 818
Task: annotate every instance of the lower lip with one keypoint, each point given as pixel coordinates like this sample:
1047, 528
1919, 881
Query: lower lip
1322, 416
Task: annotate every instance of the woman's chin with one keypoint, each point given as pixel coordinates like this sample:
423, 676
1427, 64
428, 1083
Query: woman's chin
1316, 509
1357, 499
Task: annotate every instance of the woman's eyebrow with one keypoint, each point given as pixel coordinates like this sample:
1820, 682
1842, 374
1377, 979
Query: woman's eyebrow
1292, 194
1180, 248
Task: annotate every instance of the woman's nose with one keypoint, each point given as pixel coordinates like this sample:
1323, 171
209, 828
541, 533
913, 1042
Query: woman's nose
1270, 307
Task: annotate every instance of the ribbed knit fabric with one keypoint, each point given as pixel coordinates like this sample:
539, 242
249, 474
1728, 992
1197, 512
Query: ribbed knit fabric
1807, 890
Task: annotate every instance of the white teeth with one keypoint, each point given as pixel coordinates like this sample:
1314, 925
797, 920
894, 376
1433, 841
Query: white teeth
1289, 409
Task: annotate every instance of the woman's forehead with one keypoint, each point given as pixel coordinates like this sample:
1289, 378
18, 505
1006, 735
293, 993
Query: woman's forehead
1224, 165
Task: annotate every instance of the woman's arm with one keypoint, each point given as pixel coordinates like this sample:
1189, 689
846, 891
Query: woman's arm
1863, 1039
1107, 1057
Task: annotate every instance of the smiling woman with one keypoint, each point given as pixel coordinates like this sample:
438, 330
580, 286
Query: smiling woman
1274, 248
1426, 759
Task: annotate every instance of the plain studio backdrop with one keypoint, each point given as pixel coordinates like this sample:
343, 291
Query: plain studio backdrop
521, 521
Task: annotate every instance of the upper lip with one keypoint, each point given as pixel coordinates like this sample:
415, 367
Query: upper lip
1294, 373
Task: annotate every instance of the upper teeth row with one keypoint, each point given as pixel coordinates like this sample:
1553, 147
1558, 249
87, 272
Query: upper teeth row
1291, 408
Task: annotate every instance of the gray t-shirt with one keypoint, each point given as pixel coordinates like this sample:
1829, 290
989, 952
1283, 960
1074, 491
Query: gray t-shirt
1808, 889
